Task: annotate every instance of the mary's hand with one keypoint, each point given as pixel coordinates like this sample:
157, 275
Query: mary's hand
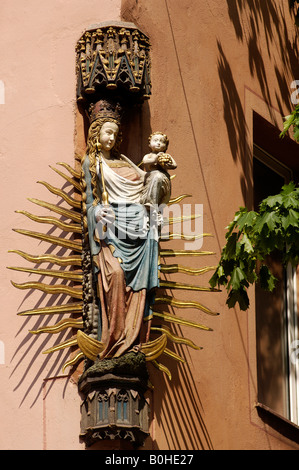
104, 214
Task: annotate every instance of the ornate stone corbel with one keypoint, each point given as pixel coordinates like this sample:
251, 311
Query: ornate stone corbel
113, 57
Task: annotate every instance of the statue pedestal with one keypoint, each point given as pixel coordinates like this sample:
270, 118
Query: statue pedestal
113, 405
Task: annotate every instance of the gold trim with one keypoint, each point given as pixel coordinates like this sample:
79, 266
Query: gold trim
59, 192
178, 198
74, 260
149, 317
73, 361
181, 285
60, 326
69, 275
67, 178
71, 244
72, 171
61, 289
54, 309
174, 338
53, 221
168, 252
70, 214
181, 236
154, 349
162, 368
173, 355
177, 268
90, 347
66, 344
175, 220
183, 304
174, 319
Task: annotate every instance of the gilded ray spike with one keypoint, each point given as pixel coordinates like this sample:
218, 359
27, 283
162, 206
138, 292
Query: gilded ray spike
69, 214
153, 349
60, 326
181, 321
66, 344
59, 192
181, 236
168, 252
69, 275
76, 228
162, 368
67, 178
74, 260
173, 355
73, 361
55, 309
72, 170
175, 338
175, 220
183, 304
49, 289
181, 285
71, 244
178, 198
177, 268
89, 346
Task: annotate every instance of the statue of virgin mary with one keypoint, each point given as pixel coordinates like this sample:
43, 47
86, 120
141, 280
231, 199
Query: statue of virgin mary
121, 241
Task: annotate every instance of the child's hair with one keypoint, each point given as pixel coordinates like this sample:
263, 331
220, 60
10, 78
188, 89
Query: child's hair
159, 133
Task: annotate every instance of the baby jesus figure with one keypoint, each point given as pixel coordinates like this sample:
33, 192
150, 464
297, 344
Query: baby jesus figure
157, 185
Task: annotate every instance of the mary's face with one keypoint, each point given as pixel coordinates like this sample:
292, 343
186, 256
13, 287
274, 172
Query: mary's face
108, 135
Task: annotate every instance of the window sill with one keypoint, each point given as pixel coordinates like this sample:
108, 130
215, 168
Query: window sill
282, 425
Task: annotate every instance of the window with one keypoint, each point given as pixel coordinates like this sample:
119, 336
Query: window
122, 406
103, 407
277, 319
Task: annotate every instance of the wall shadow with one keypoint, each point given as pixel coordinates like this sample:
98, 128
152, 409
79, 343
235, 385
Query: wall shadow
255, 24
32, 346
177, 404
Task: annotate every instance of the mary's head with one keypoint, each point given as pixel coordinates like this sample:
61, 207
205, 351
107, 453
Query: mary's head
104, 134
108, 136
104, 131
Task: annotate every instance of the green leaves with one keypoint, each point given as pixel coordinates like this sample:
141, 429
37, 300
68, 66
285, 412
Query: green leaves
291, 220
267, 280
291, 120
251, 236
237, 278
246, 243
267, 222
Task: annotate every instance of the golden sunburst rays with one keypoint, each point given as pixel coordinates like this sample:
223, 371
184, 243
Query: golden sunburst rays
164, 310
67, 280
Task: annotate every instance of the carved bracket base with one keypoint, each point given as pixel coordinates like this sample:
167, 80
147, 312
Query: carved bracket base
113, 407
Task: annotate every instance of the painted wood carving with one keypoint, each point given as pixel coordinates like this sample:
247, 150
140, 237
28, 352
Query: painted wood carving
114, 262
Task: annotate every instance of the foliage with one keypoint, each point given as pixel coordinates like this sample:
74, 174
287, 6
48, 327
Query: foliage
292, 120
251, 237
293, 6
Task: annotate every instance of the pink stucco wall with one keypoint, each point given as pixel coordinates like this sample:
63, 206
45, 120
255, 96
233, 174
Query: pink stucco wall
213, 65
37, 122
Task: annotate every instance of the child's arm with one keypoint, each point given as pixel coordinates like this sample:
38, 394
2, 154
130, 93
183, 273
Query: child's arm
150, 161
